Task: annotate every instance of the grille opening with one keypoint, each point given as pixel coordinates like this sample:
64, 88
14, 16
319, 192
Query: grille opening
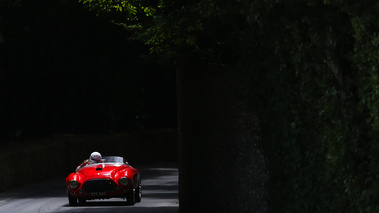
99, 186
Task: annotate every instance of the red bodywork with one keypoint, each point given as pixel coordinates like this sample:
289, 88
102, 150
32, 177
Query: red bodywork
102, 180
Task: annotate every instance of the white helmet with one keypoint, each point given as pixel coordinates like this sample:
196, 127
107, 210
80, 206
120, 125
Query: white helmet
95, 157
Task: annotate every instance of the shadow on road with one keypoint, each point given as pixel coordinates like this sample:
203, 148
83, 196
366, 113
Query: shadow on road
100, 203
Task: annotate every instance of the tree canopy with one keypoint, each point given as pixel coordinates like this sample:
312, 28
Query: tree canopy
65, 70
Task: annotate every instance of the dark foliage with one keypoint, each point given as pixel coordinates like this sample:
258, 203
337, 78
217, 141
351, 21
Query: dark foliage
311, 76
64, 70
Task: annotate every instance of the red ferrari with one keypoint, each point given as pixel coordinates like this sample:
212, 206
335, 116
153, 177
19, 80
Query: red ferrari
112, 178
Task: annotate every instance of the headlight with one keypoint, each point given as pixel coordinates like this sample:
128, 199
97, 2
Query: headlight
124, 181
74, 184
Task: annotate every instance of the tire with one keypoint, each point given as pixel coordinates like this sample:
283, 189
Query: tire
131, 197
73, 201
138, 194
82, 201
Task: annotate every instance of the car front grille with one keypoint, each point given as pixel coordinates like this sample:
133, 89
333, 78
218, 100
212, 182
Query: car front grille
99, 185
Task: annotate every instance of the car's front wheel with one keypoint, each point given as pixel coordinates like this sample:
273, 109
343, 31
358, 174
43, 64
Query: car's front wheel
73, 201
131, 197
138, 194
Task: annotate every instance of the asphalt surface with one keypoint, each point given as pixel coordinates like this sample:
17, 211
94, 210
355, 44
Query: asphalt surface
159, 194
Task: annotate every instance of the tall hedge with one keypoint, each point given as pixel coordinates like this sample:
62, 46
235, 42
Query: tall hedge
318, 78
312, 79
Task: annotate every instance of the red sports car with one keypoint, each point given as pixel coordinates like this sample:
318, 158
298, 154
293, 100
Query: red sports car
109, 179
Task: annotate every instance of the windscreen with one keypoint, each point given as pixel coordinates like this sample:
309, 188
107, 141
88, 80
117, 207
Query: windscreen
113, 159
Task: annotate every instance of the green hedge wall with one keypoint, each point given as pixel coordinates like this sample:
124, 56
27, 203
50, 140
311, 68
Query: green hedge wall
315, 88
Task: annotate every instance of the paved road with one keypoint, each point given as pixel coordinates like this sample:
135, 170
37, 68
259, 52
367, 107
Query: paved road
159, 194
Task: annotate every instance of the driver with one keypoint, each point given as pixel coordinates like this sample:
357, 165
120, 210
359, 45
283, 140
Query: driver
95, 157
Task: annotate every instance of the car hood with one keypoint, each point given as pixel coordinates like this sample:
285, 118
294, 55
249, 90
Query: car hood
102, 170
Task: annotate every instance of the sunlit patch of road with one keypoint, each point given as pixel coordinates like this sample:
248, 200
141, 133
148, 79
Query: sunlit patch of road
160, 194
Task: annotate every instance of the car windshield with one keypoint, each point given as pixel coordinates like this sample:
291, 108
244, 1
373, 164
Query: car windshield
113, 159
